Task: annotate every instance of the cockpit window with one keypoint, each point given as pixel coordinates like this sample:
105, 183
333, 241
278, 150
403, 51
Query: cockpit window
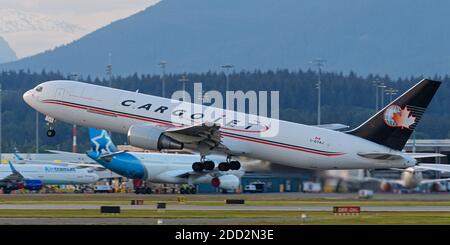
39, 89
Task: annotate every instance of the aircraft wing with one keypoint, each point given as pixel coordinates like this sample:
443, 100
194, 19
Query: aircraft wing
86, 165
214, 172
333, 126
390, 181
430, 181
183, 173
187, 174
433, 167
205, 133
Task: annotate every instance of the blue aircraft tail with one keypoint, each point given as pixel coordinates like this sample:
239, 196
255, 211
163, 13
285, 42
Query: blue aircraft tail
100, 142
14, 171
18, 158
105, 153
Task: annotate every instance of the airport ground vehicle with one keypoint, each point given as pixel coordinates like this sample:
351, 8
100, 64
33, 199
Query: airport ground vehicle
365, 194
84, 189
103, 189
254, 187
188, 189
309, 186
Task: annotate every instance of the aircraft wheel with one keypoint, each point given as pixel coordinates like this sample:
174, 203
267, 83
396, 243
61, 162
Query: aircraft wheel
224, 166
51, 133
209, 165
197, 166
235, 165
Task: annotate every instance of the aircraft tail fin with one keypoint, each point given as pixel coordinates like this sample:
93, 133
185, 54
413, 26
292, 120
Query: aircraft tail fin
14, 171
392, 126
17, 157
101, 143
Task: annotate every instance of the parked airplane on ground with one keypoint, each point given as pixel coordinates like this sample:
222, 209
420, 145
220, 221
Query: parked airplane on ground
158, 123
157, 167
35, 176
410, 178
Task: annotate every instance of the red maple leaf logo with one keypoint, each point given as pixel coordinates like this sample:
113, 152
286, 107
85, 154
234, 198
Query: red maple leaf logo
403, 118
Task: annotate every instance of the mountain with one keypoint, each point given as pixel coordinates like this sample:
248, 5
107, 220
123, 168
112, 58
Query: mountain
398, 38
12, 20
30, 33
6, 53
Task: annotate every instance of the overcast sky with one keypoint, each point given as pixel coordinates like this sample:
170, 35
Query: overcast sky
90, 14
87, 14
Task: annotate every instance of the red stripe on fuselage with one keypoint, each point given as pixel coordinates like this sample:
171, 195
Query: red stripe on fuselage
171, 124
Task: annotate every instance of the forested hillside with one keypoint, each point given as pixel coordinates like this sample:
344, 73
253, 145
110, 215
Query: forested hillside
346, 98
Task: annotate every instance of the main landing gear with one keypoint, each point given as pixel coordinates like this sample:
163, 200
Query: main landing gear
203, 165
51, 126
209, 165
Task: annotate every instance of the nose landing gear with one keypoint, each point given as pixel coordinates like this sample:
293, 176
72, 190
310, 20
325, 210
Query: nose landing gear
51, 125
51, 133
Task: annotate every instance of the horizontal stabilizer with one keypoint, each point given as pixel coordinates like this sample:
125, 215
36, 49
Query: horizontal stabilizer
109, 155
423, 155
333, 126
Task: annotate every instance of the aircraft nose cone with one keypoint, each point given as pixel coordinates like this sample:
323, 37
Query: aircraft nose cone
27, 97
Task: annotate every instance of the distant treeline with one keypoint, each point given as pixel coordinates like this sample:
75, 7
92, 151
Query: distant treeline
346, 98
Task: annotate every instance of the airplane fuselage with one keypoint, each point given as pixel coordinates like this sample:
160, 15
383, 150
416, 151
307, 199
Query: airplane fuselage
162, 167
293, 144
51, 174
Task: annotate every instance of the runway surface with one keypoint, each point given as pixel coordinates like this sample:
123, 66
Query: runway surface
223, 208
301, 203
146, 221
330, 196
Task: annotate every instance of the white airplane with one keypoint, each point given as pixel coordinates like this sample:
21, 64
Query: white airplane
35, 176
156, 167
410, 178
157, 123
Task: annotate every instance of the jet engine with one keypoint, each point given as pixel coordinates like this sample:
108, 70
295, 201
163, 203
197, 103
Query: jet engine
32, 185
411, 178
227, 182
151, 138
385, 187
